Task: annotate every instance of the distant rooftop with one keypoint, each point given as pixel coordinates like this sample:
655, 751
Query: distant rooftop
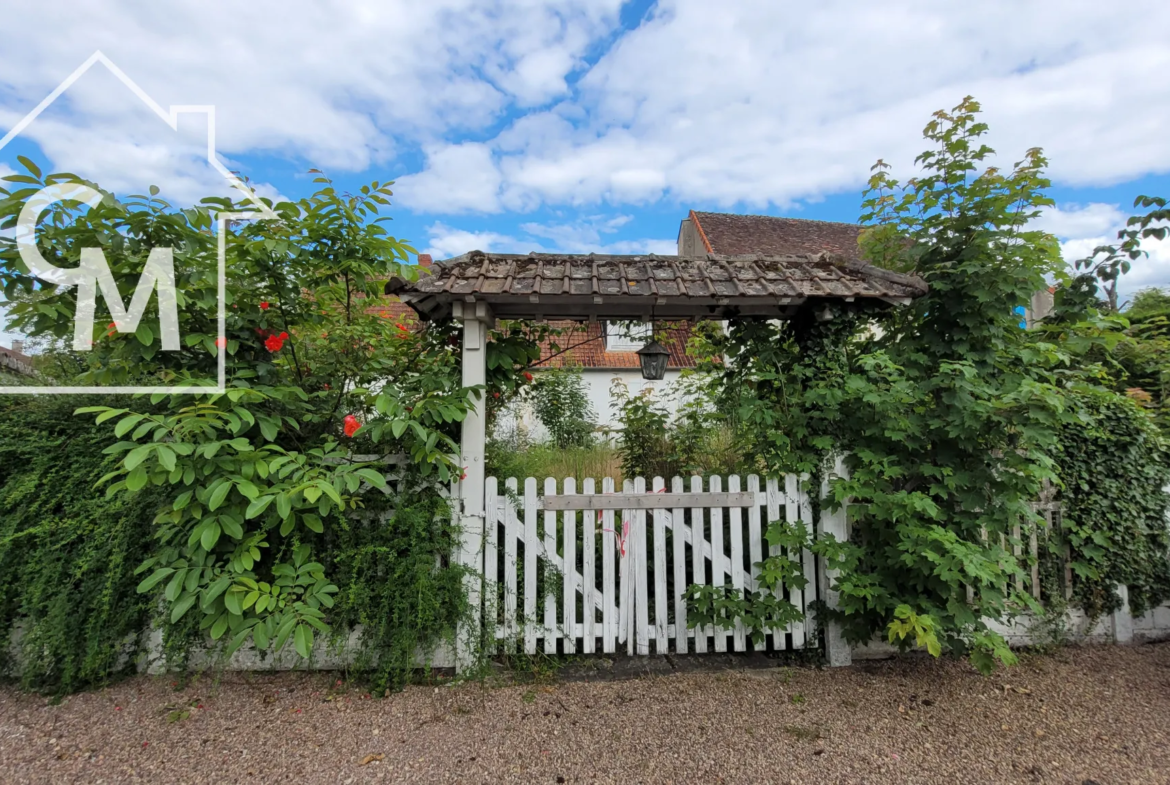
729, 234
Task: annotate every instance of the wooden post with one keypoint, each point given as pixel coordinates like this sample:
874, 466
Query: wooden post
837, 650
475, 317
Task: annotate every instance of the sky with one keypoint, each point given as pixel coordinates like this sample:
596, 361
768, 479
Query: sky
595, 125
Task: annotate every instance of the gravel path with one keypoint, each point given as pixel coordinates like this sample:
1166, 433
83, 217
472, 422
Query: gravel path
1098, 714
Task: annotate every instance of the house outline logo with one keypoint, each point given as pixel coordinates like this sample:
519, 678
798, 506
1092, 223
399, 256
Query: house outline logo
159, 268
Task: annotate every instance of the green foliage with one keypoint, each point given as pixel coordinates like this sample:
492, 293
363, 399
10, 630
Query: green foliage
1113, 464
946, 413
397, 582
67, 556
1117, 259
257, 479
513, 455
698, 439
559, 401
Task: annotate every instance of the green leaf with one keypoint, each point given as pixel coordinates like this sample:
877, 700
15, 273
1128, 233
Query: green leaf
154, 578
210, 536
181, 607
313, 522
126, 423
218, 495
137, 479
166, 457
219, 627
260, 636
303, 640
283, 505
259, 506
138, 455
144, 334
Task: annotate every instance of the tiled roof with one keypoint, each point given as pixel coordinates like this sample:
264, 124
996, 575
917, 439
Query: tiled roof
637, 287
729, 234
583, 344
15, 361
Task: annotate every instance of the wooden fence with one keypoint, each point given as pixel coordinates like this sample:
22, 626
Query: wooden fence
568, 571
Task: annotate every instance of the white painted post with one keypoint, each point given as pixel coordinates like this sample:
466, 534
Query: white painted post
1122, 618
837, 650
473, 440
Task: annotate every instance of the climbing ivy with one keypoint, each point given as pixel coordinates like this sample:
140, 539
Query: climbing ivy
1114, 464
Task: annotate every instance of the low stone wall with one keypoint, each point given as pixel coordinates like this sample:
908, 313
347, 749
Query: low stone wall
1076, 627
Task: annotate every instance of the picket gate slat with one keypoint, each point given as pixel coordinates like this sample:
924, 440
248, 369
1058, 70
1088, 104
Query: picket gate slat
569, 572
531, 546
660, 598
550, 593
678, 538
806, 558
490, 569
698, 560
755, 545
589, 549
792, 515
773, 499
510, 562
737, 573
609, 538
642, 589
628, 585
717, 562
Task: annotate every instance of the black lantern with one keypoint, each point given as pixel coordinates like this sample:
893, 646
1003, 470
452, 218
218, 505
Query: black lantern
653, 357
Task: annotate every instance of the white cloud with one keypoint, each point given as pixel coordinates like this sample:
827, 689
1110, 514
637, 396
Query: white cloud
766, 103
582, 236
761, 103
1082, 229
338, 84
458, 179
446, 242
1073, 221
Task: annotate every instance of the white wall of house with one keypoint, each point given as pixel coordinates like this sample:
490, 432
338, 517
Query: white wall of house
598, 384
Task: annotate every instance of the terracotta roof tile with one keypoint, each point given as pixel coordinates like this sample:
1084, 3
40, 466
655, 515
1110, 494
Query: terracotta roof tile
583, 344
729, 234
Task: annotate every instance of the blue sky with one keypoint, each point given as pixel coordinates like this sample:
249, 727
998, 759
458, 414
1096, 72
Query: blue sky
595, 125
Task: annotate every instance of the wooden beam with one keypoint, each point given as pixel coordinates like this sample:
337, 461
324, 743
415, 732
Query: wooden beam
647, 501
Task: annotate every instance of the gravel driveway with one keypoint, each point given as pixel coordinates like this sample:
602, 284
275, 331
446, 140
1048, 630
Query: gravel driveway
1099, 714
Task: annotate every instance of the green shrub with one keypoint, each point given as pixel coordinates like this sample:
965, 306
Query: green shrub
560, 403
67, 554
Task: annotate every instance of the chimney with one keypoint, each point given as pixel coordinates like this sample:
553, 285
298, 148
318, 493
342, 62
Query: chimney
18, 346
424, 260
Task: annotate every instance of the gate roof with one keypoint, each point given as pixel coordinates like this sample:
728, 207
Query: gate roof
580, 287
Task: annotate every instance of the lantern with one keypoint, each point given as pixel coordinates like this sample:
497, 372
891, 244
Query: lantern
653, 357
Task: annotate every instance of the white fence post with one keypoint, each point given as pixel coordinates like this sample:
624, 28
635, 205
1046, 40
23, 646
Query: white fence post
473, 440
837, 650
1122, 618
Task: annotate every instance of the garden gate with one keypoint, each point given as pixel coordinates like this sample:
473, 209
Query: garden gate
587, 572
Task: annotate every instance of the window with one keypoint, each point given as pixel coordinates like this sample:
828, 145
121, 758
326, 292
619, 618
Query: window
626, 336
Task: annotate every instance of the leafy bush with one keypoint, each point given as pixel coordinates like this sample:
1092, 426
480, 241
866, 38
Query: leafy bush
258, 480
67, 555
559, 401
1113, 465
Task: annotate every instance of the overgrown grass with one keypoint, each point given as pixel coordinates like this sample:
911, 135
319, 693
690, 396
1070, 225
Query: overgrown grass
516, 458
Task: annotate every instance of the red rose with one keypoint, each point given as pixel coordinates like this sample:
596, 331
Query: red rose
351, 425
221, 342
528, 376
274, 343
263, 306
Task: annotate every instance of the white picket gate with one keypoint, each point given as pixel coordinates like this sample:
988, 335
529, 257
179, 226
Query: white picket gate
612, 569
